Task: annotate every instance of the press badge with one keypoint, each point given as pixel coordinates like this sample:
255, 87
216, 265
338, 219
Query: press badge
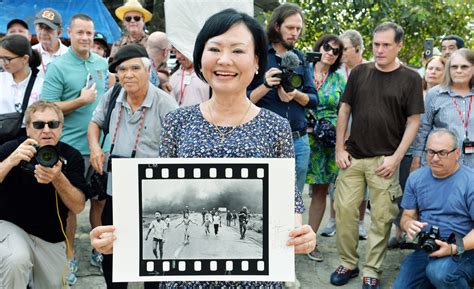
468, 147
187, 80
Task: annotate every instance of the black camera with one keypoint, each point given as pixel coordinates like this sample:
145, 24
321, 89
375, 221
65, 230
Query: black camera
424, 241
312, 57
46, 156
290, 80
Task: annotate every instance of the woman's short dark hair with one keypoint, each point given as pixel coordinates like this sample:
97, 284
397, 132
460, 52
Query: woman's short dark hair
326, 39
218, 24
278, 17
19, 45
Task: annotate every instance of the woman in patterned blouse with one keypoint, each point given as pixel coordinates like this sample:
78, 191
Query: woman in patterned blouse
229, 52
322, 169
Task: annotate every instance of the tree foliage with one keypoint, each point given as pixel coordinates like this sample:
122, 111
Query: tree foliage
419, 18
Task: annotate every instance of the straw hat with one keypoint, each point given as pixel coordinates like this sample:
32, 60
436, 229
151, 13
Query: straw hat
133, 5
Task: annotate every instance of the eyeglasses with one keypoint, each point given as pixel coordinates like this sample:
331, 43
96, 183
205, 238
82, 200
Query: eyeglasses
328, 48
464, 67
4, 60
136, 18
441, 153
52, 124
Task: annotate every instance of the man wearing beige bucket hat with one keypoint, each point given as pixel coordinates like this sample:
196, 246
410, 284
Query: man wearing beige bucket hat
133, 16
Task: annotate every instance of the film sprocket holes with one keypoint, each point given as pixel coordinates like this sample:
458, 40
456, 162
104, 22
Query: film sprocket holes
198, 248
190, 251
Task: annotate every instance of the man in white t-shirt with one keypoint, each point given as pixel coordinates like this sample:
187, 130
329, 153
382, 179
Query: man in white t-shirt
48, 29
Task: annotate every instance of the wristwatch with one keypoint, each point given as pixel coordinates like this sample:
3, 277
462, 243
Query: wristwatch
459, 246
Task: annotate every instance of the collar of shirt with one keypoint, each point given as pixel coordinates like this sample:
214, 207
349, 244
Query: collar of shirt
59, 52
80, 60
21, 84
448, 91
147, 102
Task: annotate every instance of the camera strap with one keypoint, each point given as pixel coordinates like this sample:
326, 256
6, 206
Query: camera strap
142, 119
26, 97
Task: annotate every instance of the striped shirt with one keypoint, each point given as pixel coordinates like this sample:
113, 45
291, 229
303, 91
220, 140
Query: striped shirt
441, 112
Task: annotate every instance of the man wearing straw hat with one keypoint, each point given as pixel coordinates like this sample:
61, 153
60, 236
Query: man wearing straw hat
133, 17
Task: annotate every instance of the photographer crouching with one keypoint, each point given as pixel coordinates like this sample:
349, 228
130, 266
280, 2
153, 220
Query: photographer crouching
439, 217
41, 179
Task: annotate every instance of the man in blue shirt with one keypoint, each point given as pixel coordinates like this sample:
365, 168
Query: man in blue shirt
284, 29
440, 195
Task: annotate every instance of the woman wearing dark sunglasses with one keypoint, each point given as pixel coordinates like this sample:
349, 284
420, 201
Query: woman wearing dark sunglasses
20, 63
133, 17
322, 169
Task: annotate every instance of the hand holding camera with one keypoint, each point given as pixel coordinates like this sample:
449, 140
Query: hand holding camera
271, 80
286, 96
25, 152
413, 228
46, 175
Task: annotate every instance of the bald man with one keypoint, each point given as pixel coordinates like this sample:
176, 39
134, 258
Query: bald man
158, 48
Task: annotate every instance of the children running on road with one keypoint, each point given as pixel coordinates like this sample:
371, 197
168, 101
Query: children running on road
186, 220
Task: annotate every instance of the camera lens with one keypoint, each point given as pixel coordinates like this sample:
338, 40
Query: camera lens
429, 246
47, 156
296, 80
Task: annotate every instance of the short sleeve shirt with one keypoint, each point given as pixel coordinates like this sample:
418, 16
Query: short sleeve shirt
65, 77
380, 104
447, 203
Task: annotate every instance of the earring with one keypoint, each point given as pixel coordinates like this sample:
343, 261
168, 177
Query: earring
256, 72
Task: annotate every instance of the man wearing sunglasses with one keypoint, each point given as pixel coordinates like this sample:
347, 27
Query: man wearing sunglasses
34, 203
442, 195
133, 16
284, 29
385, 100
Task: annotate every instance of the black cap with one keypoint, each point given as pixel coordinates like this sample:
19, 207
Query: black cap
99, 37
127, 52
15, 21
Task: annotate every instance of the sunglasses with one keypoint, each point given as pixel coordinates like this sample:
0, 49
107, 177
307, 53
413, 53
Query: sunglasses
136, 18
335, 51
52, 124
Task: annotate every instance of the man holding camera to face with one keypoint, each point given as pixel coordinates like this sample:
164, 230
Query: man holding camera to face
439, 196
287, 88
41, 179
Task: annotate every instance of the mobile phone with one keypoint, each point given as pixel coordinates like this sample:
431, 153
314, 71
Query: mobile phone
428, 48
89, 81
312, 57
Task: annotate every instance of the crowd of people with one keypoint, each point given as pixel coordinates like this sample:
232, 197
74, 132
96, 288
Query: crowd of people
361, 131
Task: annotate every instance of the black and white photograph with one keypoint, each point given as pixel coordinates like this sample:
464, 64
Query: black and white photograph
202, 219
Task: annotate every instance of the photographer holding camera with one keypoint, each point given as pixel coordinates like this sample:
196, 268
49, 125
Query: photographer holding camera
439, 202
287, 88
41, 179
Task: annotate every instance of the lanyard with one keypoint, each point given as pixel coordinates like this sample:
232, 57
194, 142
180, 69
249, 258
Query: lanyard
319, 84
138, 133
464, 123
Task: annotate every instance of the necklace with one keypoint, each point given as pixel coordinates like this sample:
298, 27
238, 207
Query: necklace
224, 134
